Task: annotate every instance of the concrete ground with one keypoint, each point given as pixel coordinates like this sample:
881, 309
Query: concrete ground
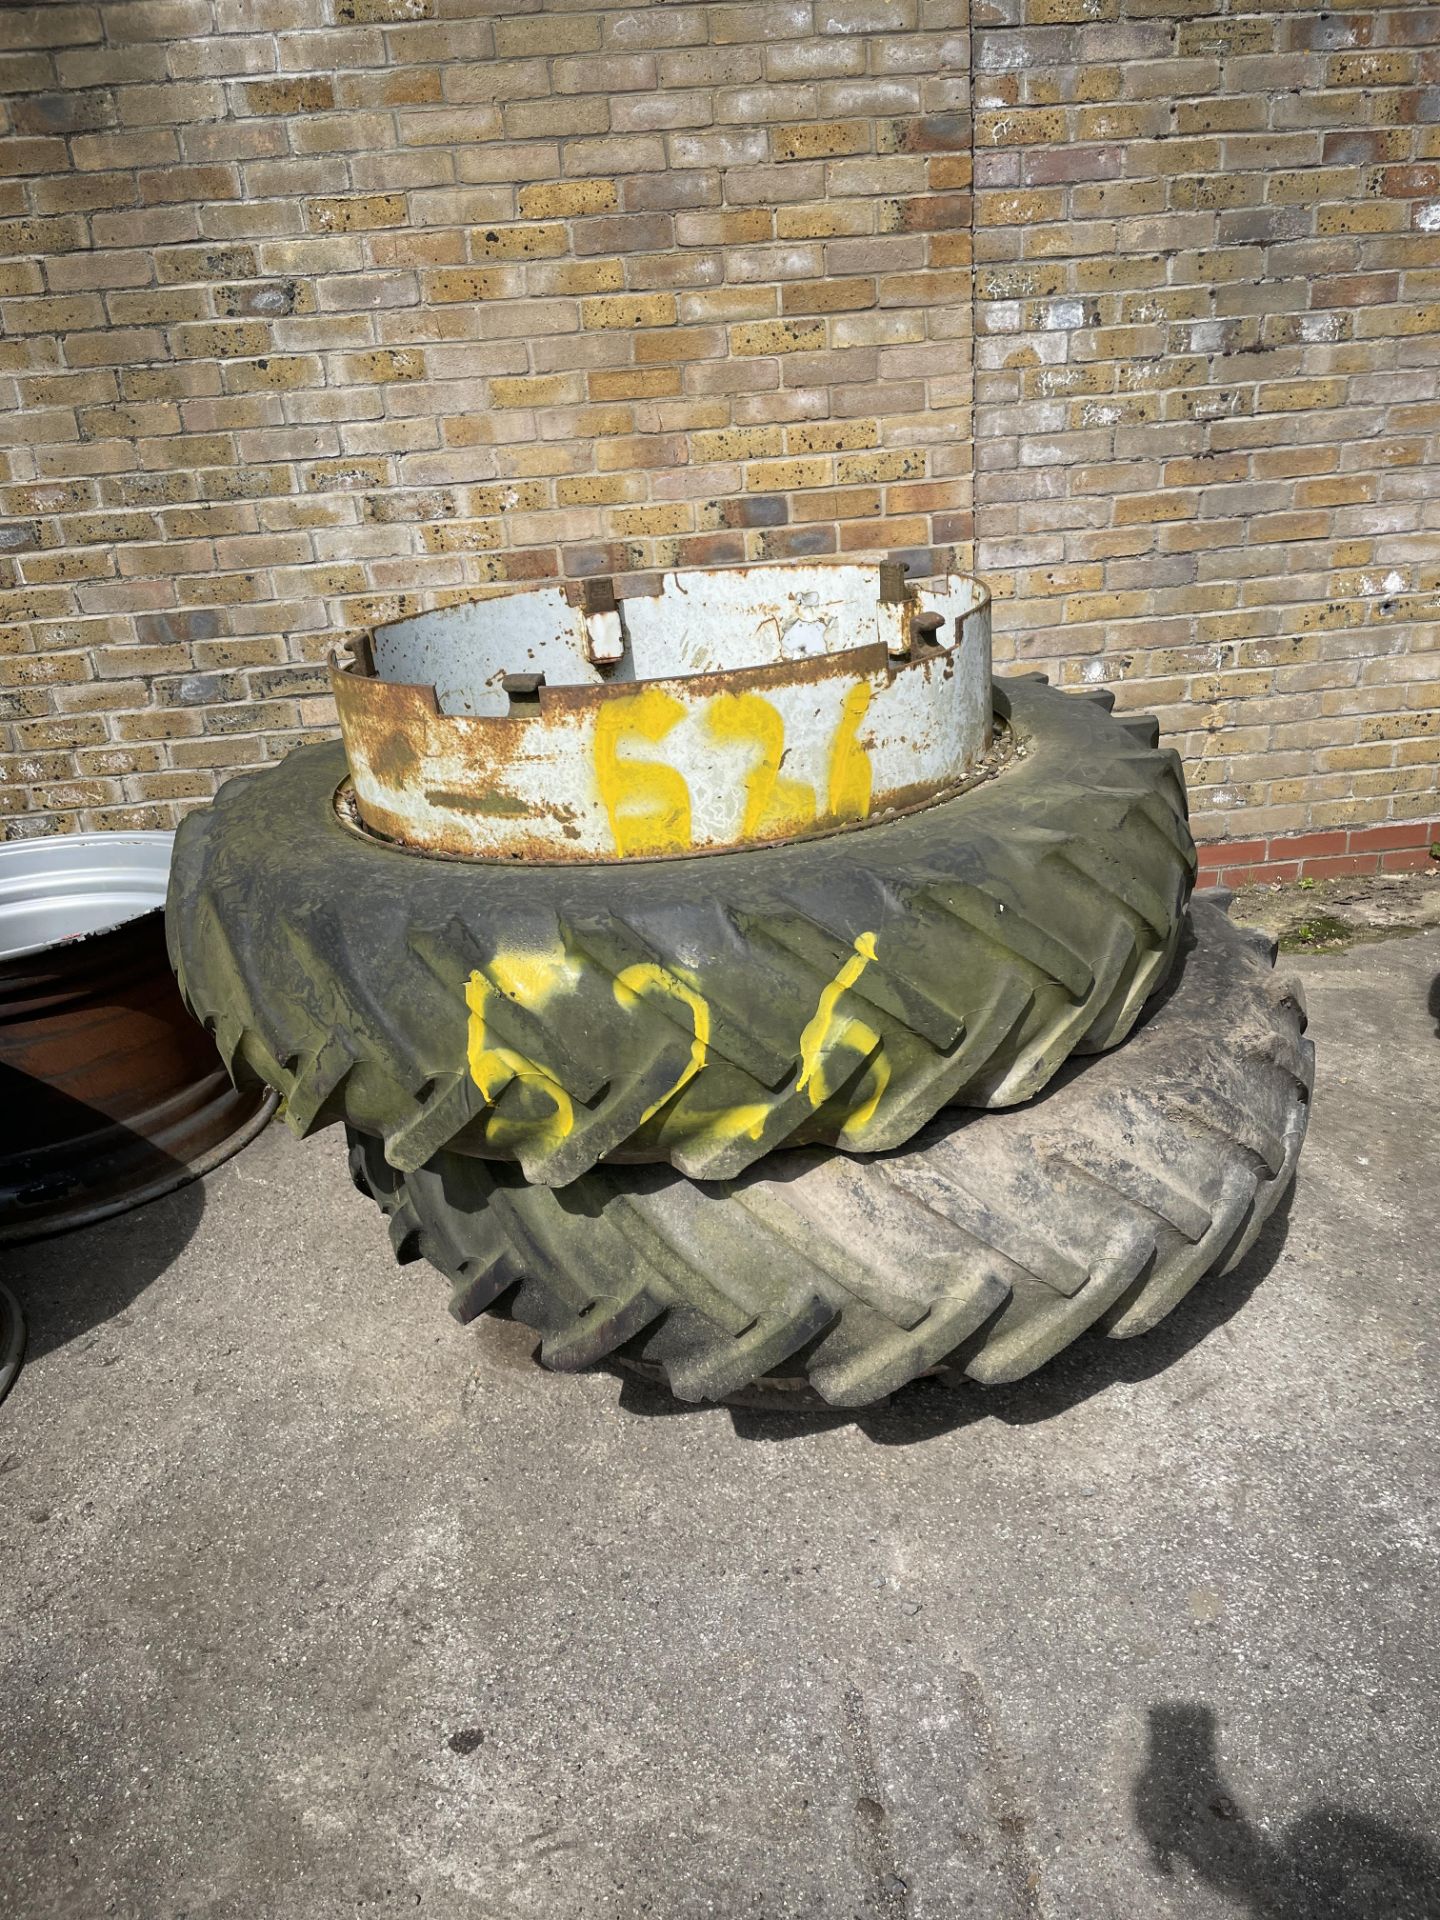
1319, 916
315, 1604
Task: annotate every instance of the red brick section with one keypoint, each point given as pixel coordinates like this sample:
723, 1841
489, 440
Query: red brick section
1409, 847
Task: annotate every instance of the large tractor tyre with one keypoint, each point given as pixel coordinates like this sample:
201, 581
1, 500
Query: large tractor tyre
987, 1245
705, 1010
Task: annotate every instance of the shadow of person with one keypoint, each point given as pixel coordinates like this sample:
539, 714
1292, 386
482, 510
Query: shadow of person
1432, 1002
1330, 1864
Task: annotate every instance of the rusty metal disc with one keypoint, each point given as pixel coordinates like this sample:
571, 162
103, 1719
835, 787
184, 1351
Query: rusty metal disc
732, 708
110, 1093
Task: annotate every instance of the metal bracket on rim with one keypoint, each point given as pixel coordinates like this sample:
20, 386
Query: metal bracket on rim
600, 613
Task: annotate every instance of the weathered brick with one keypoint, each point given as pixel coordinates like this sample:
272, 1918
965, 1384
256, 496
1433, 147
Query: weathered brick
624, 233
821, 139
532, 35
826, 296
628, 310
575, 276
313, 94
637, 383
355, 213
59, 113
759, 21
777, 336
543, 390
558, 200
738, 443
866, 16
471, 283
596, 490
518, 243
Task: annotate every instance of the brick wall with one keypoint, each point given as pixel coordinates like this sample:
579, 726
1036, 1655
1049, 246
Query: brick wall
1208, 320
316, 310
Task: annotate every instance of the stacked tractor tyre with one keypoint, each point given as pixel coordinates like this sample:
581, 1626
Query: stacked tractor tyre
928, 1092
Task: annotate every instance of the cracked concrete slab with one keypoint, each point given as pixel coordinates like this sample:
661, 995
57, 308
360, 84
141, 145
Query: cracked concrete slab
315, 1604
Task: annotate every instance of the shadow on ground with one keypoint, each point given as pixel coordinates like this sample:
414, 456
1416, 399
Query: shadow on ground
61, 1157
1330, 1864
74, 1282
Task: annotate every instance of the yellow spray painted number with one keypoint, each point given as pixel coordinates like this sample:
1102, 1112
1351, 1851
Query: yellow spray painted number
851, 778
827, 1033
648, 804
774, 804
530, 979
830, 1032
646, 977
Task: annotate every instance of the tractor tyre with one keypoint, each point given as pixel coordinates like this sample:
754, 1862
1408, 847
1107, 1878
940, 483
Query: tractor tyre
985, 1246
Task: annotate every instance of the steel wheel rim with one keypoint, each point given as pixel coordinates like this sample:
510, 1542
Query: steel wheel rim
12, 1339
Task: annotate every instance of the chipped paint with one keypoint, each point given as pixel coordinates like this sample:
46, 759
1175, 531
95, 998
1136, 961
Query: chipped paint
748, 706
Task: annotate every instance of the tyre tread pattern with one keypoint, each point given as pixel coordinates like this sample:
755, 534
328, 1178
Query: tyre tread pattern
983, 1249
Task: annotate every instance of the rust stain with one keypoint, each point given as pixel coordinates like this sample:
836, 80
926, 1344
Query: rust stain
394, 759
376, 822
813, 669
495, 802
497, 785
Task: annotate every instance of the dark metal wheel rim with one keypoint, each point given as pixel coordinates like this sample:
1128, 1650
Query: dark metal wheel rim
19, 1231
12, 1339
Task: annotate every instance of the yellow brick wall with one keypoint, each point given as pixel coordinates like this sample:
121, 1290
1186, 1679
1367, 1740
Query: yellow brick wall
314, 311
1207, 254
